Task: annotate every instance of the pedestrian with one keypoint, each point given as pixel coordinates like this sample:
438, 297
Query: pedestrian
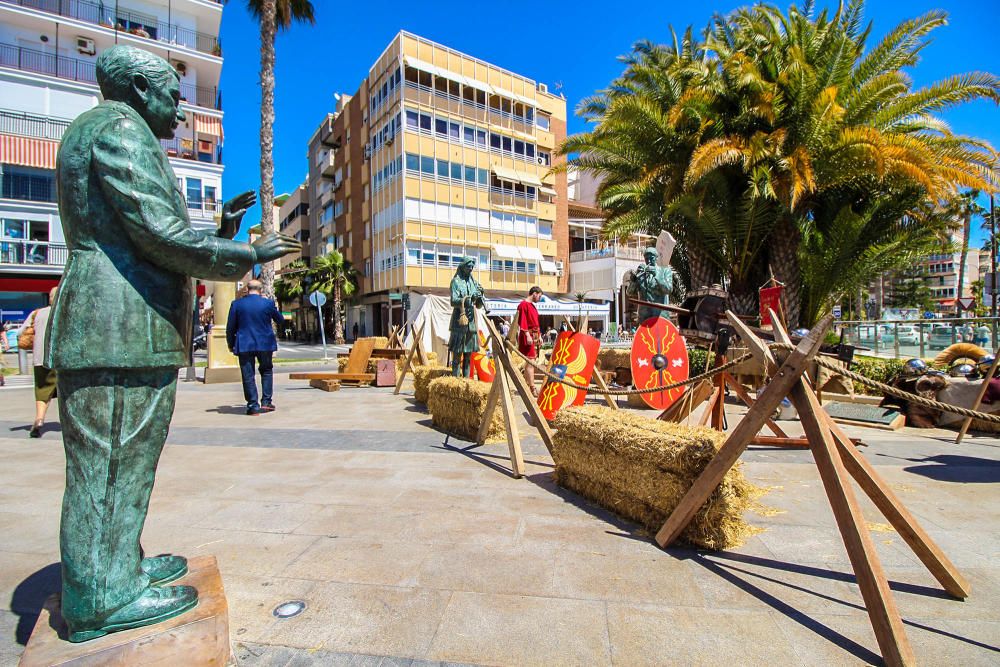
4, 348
529, 333
981, 337
504, 328
355, 330
250, 337
45, 377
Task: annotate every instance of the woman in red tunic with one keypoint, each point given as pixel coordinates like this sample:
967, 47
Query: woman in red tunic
529, 333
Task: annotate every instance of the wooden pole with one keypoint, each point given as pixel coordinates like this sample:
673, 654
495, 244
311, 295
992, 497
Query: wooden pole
414, 350
979, 396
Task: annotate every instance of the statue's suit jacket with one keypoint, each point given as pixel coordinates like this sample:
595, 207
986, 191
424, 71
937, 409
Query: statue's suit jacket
125, 300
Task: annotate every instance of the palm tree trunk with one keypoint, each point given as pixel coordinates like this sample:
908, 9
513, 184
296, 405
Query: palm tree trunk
267, 34
338, 333
784, 260
966, 232
703, 273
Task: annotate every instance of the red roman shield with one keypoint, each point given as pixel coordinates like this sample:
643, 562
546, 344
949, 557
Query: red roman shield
573, 358
659, 358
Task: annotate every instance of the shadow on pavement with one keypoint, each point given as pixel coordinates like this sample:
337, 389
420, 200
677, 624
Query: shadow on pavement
28, 598
229, 410
956, 468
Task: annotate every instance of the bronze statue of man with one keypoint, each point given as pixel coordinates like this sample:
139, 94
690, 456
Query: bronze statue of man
466, 294
119, 332
651, 283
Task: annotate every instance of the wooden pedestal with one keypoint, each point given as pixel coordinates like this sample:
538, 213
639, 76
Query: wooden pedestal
198, 637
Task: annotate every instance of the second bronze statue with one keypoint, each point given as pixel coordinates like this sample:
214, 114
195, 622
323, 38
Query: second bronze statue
466, 295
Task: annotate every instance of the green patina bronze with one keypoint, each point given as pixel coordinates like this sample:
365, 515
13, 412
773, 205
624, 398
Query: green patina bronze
651, 283
119, 331
466, 294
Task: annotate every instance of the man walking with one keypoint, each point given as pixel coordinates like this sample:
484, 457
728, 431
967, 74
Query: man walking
251, 338
529, 334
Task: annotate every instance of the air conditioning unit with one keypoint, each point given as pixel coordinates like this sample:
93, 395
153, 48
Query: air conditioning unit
392, 138
181, 67
86, 46
540, 160
368, 151
559, 268
543, 88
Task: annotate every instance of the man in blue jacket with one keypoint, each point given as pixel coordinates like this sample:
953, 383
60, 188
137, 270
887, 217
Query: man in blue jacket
251, 338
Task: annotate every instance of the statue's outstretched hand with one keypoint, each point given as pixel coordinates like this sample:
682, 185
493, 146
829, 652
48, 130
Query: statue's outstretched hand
233, 212
273, 246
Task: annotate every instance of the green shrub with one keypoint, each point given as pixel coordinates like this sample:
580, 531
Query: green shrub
880, 370
696, 360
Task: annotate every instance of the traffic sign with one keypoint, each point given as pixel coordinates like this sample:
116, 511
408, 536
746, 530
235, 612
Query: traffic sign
317, 299
837, 312
966, 303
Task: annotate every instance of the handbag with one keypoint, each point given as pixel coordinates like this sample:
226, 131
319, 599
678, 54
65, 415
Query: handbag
26, 339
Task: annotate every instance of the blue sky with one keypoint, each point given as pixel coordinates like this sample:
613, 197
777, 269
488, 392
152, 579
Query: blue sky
575, 44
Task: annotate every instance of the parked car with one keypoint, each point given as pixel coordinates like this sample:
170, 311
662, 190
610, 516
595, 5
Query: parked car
907, 334
942, 336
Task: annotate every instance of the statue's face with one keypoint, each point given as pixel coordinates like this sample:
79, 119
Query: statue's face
159, 104
465, 269
651, 257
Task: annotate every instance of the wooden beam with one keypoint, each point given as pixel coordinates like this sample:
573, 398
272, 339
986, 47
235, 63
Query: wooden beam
357, 377
510, 420
882, 611
521, 385
748, 400
692, 398
417, 335
743, 434
898, 516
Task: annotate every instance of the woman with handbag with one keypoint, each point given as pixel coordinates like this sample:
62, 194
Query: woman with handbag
32, 337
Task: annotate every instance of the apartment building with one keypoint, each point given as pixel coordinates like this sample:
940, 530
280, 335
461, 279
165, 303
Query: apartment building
439, 155
292, 219
48, 50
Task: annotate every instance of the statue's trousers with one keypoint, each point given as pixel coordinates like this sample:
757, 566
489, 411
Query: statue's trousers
114, 424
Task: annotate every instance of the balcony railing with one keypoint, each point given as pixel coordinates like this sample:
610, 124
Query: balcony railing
76, 69
114, 17
620, 252
204, 208
175, 148
32, 125
38, 253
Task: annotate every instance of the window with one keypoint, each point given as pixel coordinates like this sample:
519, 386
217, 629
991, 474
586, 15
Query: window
441, 126
412, 162
470, 134
193, 192
544, 158
456, 171
412, 119
484, 177
481, 137
427, 164
470, 174
542, 121
210, 194
425, 122
494, 140
518, 147
454, 130
506, 143
442, 168
529, 150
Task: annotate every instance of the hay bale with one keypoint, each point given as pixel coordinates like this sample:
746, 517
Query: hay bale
640, 468
432, 359
610, 358
457, 406
635, 401
422, 377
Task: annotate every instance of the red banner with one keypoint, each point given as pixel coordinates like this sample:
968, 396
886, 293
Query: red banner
573, 359
770, 299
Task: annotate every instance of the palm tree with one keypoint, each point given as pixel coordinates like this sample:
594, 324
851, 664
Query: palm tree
333, 275
272, 15
288, 287
965, 207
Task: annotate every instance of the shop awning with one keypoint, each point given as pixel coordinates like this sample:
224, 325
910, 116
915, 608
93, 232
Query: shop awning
549, 267
208, 125
547, 191
28, 151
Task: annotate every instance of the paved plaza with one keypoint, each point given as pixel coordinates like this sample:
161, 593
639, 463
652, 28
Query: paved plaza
412, 548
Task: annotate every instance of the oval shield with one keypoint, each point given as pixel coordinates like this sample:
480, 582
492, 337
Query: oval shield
573, 359
659, 358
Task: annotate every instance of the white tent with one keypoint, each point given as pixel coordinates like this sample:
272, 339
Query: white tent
434, 313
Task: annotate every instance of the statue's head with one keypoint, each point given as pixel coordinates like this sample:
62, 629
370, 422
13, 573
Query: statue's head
651, 255
145, 82
466, 267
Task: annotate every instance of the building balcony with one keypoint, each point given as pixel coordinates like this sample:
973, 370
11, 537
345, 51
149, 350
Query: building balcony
32, 255
84, 71
115, 17
22, 124
204, 208
187, 149
618, 252
326, 167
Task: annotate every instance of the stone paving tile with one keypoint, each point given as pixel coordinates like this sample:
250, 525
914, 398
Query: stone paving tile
37, 537
253, 599
663, 635
239, 552
263, 517
390, 563
493, 629
357, 618
514, 570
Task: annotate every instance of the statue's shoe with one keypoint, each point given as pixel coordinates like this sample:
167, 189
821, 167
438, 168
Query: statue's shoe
163, 569
153, 606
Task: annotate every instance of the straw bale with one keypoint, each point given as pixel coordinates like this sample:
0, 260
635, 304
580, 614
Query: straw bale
640, 468
457, 406
422, 377
635, 401
610, 358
